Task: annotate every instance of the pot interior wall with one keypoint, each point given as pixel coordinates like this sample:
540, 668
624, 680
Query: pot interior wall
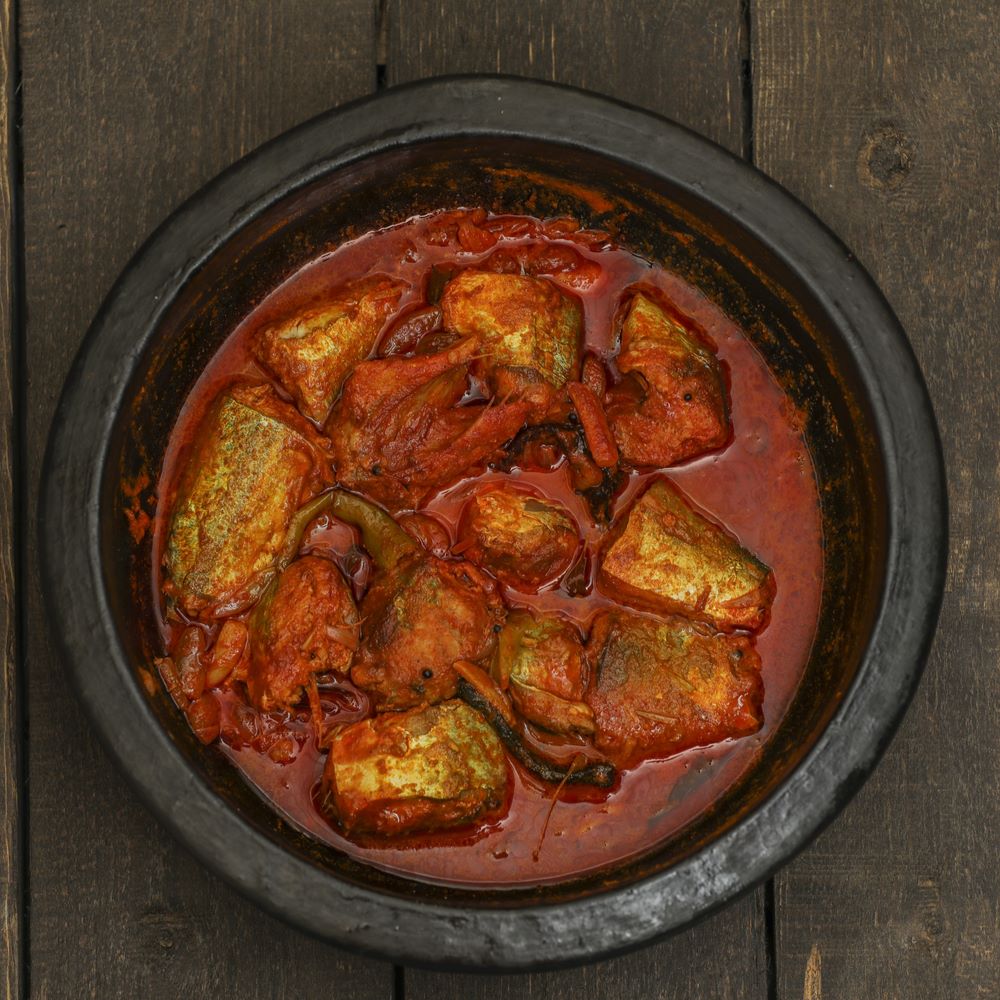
667, 225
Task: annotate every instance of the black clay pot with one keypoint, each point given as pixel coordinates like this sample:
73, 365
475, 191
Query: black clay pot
511, 145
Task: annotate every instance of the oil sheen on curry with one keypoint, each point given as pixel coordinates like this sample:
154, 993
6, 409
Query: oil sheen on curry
487, 551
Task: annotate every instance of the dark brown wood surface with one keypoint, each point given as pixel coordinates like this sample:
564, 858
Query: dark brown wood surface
128, 108
881, 117
682, 59
11, 748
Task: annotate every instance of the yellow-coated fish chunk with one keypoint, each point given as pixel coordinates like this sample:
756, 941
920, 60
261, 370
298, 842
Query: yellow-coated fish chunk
418, 620
254, 462
426, 769
523, 540
306, 623
541, 663
672, 403
662, 686
528, 329
664, 556
312, 351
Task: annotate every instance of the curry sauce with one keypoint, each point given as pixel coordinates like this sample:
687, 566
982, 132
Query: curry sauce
547, 439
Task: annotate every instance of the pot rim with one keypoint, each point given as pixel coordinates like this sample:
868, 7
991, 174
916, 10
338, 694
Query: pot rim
523, 936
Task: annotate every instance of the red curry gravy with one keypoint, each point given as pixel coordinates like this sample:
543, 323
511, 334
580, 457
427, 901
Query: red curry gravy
761, 486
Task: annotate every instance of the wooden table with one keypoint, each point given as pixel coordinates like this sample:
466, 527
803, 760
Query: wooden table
880, 116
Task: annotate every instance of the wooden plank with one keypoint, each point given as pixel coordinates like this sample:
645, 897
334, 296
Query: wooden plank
883, 119
128, 108
11, 804
682, 60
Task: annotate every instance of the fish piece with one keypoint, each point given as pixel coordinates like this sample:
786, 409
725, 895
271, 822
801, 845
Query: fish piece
313, 350
418, 620
426, 769
540, 661
397, 431
663, 556
529, 331
672, 403
420, 614
522, 539
663, 686
255, 461
305, 624
478, 689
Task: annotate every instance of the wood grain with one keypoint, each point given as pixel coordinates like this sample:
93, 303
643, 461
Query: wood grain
681, 59
127, 109
10, 696
684, 61
883, 119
